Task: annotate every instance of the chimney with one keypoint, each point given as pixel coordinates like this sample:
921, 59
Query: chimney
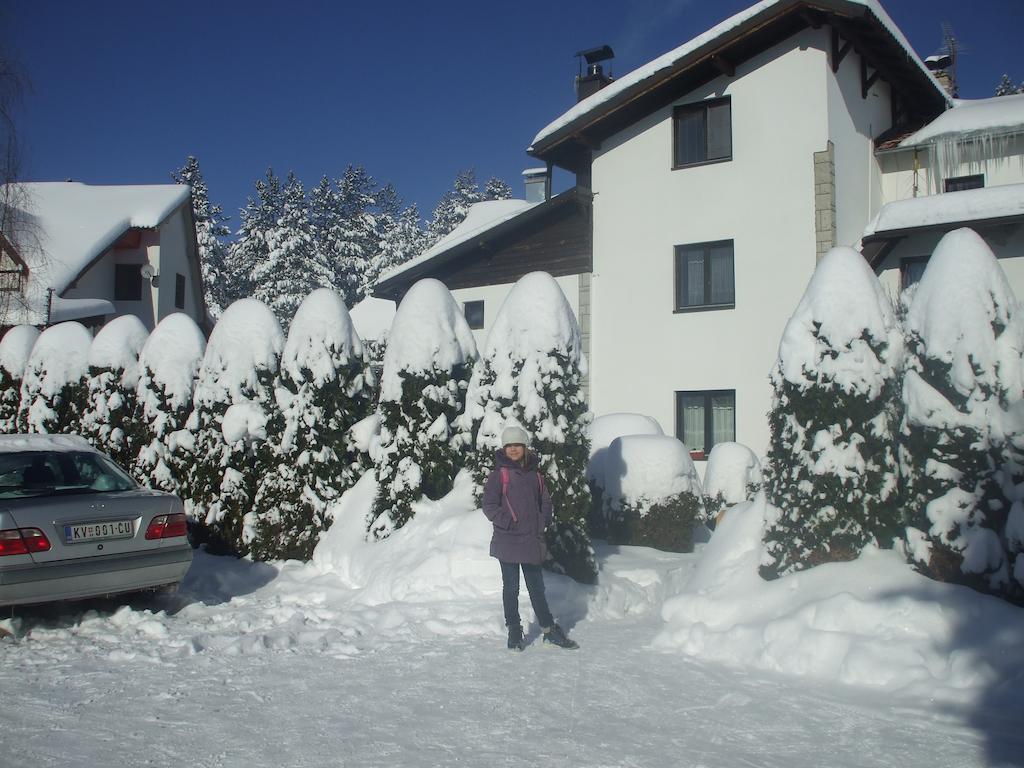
595, 79
943, 68
538, 184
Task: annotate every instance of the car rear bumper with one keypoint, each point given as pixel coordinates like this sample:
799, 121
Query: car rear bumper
94, 576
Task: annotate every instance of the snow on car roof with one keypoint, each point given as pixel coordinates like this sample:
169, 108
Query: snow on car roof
36, 442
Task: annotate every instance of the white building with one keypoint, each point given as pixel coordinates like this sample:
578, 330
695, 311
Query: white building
709, 183
92, 253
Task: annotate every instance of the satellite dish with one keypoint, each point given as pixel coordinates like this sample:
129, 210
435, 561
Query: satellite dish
148, 272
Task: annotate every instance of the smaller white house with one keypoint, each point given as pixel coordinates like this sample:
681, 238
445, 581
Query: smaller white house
963, 169
74, 251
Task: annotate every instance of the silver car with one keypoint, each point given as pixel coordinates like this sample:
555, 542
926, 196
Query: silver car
73, 524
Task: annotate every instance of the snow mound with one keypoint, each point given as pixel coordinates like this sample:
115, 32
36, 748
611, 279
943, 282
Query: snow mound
117, 347
60, 356
244, 421
844, 303
732, 468
15, 349
647, 469
534, 318
603, 429
372, 318
246, 340
429, 331
871, 622
173, 353
961, 297
320, 329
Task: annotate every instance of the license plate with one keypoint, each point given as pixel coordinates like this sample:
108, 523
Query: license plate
110, 529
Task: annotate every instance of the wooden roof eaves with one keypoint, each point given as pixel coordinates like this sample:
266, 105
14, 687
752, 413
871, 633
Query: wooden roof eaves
575, 197
893, 236
557, 148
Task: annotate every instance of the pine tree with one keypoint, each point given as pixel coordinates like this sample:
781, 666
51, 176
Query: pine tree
113, 376
831, 474
251, 247
1007, 88
234, 410
531, 372
15, 349
357, 235
168, 367
210, 231
427, 366
399, 239
325, 388
496, 189
453, 206
292, 268
54, 386
961, 333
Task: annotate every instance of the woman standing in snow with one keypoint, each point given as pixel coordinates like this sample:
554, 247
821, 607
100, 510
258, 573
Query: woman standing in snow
519, 507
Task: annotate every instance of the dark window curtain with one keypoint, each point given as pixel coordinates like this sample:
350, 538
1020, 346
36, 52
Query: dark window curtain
723, 283
719, 131
691, 137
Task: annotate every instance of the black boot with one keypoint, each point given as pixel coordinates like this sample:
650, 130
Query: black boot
556, 636
515, 639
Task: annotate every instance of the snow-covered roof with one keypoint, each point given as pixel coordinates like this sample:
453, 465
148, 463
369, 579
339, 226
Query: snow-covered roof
481, 217
712, 38
971, 205
970, 117
68, 224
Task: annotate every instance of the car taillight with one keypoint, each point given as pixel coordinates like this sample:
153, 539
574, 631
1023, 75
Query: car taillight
22, 541
167, 527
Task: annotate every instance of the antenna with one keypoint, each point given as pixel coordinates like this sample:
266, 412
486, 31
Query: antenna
943, 62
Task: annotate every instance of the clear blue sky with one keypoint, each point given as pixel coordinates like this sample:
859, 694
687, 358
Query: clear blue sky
122, 92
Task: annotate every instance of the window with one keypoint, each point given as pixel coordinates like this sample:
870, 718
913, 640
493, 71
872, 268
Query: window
179, 291
702, 133
12, 274
911, 270
705, 277
959, 183
705, 418
474, 311
127, 282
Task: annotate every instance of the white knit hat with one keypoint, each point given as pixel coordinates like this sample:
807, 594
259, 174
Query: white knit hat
513, 434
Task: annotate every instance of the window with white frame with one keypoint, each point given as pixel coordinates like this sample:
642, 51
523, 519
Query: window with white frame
705, 276
705, 418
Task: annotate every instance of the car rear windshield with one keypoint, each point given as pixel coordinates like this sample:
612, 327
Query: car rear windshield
49, 473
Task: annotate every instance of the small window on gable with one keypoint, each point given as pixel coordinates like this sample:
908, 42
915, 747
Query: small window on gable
911, 270
705, 418
127, 282
960, 183
474, 311
179, 291
12, 274
705, 276
702, 133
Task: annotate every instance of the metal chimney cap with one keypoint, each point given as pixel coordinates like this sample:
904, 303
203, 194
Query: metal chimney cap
594, 55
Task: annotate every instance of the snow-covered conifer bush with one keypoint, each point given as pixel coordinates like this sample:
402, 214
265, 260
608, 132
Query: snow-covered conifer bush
600, 432
427, 366
234, 409
652, 493
15, 348
831, 470
963, 373
531, 372
113, 376
168, 366
54, 386
733, 475
325, 388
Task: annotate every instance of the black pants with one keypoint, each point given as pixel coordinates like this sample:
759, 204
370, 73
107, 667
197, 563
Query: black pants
534, 585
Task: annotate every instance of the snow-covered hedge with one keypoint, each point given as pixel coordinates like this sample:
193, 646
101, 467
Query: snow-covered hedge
601, 431
54, 385
15, 348
831, 470
732, 476
427, 367
652, 493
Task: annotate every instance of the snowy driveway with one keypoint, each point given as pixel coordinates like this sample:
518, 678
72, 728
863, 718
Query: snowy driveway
288, 672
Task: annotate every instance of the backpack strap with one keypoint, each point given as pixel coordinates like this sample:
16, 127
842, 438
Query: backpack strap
504, 492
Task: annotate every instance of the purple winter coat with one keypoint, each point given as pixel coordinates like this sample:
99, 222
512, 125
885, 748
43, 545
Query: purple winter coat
520, 516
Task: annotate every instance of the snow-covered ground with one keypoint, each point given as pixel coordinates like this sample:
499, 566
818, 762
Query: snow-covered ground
392, 653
